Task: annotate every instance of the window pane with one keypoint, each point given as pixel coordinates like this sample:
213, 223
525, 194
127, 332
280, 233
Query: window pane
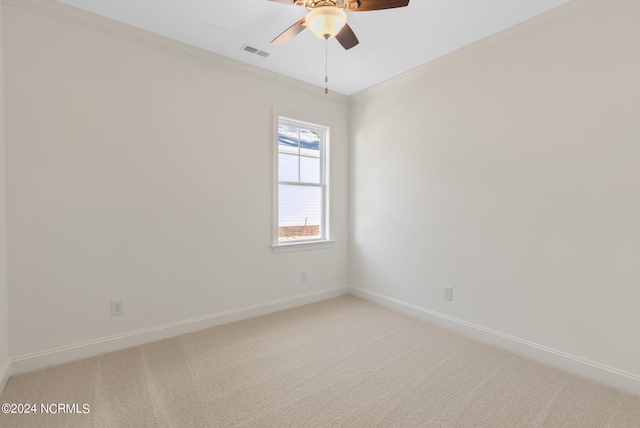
288, 135
300, 212
288, 167
310, 166
309, 139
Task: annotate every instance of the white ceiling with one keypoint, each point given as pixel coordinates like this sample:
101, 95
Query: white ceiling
391, 41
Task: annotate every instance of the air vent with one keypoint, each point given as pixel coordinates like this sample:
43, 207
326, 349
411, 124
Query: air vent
250, 49
256, 51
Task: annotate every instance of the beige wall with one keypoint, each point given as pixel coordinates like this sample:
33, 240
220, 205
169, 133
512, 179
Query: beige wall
4, 317
514, 176
139, 174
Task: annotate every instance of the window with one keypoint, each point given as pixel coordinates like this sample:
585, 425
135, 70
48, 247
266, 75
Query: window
301, 183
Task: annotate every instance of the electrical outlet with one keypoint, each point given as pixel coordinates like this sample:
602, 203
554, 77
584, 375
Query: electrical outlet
117, 307
303, 277
447, 293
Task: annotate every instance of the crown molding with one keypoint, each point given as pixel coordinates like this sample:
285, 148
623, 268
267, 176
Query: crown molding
511, 34
111, 27
99, 23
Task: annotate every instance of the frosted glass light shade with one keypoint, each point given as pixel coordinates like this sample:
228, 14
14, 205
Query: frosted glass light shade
326, 21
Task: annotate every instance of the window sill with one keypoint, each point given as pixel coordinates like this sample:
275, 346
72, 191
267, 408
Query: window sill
301, 246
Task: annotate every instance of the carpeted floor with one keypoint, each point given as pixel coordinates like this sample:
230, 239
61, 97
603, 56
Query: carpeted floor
343, 362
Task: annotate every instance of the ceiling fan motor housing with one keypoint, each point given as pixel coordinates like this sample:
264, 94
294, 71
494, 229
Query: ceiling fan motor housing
313, 4
327, 18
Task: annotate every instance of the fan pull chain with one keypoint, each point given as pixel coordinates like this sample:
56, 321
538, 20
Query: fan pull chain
326, 66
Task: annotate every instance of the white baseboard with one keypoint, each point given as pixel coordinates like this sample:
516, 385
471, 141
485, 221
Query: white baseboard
617, 378
52, 357
5, 374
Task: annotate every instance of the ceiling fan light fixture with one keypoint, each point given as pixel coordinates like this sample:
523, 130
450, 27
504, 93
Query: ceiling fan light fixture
326, 21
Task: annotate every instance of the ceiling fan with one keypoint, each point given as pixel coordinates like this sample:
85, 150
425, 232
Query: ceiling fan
327, 18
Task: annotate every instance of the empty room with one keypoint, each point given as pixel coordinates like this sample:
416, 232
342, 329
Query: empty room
320, 213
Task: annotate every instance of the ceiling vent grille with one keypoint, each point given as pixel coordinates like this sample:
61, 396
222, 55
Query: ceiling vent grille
253, 50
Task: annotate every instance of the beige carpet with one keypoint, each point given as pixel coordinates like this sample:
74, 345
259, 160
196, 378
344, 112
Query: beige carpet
338, 363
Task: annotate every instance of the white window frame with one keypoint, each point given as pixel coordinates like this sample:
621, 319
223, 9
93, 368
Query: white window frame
324, 241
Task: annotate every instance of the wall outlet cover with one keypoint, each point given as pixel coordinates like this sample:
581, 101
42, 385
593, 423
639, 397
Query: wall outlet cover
117, 307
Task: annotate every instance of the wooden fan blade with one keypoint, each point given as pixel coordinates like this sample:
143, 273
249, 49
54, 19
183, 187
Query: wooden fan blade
289, 33
347, 37
366, 5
